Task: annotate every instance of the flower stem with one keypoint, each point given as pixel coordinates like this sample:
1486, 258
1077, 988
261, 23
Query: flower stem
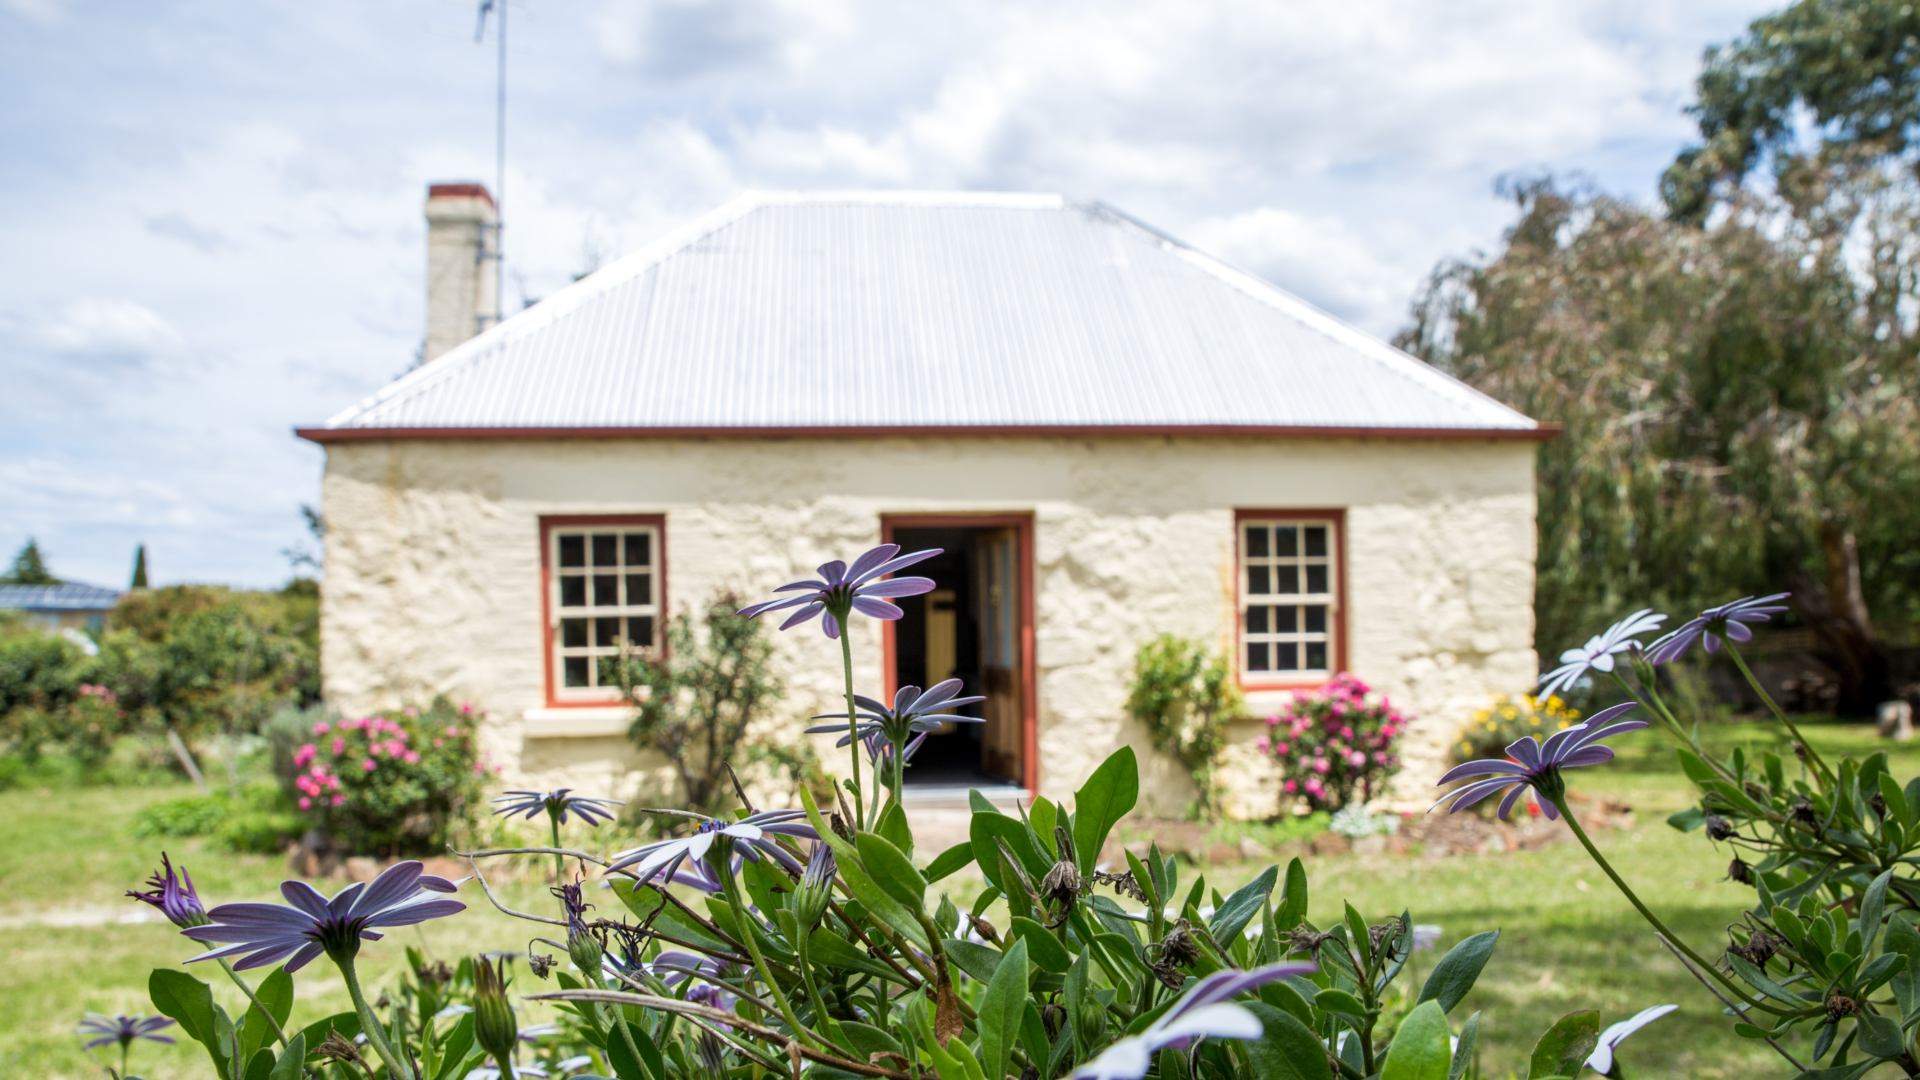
1580, 834
369, 1023
125, 1045
559, 860
278, 1032
730, 883
505, 1065
1813, 756
853, 727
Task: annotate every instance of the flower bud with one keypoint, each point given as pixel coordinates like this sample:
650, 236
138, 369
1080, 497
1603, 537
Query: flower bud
494, 1027
816, 886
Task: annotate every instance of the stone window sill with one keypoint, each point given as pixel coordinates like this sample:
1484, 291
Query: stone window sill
579, 722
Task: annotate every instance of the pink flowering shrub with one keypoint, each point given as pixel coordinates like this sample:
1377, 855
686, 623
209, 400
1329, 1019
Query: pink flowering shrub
392, 781
1333, 745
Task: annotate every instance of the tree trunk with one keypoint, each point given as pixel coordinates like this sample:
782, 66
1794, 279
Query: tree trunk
1836, 609
185, 756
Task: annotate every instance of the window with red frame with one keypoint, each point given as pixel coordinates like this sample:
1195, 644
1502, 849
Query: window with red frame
603, 596
1289, 590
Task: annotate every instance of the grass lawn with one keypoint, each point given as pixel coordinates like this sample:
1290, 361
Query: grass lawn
1568, 940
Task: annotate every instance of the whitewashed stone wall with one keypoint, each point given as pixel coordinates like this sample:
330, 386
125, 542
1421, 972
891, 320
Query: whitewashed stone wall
432, 571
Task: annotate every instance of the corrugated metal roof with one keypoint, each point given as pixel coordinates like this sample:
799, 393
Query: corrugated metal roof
891, 310
66, 596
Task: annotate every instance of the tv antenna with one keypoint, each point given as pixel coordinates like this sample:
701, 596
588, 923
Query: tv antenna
499, 252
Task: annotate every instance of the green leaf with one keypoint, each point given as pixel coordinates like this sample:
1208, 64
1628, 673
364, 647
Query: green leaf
892, 869
893, 826
1420, 1050
950, 861
1564, 1049
1463, 1053
189, 1003
1043, 816
289, 1065
1101, 802
1287, 1049
878, 901
276, 993
1048, 953
1340, 1003
1457, 971
1238, 910
1293, 899
1872, 904
1687, 820
1880, 1036
825, 946
1000, 1008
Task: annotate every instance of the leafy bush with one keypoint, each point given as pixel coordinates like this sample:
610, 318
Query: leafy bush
196, 660
392, 781
1184, 695
1333, 744
694, 705
253, 817
40, 679
1490, 730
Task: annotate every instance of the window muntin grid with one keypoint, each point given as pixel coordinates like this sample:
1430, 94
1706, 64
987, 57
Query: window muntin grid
604, 590
1289, 584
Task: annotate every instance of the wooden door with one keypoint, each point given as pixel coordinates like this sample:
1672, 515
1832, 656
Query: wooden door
997, 571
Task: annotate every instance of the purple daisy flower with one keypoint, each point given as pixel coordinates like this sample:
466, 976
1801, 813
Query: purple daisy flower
557, 804
1204, 1011
173, 894
122, 1031
1725, 622
1598, 653
842, 589
271, 933
1532, 764
753, 837
914, 712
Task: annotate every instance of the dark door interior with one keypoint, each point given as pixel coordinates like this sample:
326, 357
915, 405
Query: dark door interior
967, 628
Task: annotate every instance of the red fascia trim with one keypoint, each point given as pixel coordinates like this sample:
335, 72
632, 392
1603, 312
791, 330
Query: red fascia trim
548, 522
1540, 433
466, 189
1338, 515
1022, 524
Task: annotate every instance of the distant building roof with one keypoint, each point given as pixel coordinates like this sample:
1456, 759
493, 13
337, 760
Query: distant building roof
816, 314
66, 596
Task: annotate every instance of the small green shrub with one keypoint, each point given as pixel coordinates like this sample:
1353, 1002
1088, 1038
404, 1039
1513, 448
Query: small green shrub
260, 831
695, 705
189, 815
1184, 695
1492, 729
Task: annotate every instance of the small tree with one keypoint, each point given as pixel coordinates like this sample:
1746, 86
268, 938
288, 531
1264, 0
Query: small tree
139, 568
29, 567
1184, 696
695, 704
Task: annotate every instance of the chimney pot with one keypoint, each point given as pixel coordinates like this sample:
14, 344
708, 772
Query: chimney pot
462, 293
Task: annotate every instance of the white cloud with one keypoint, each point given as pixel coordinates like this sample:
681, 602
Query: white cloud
213, 212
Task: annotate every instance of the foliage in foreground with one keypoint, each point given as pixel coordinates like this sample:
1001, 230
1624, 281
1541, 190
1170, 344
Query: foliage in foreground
822, 942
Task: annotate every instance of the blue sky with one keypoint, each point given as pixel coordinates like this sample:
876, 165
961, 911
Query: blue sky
211, 211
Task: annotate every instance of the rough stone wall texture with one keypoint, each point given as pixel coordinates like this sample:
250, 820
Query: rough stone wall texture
433, 578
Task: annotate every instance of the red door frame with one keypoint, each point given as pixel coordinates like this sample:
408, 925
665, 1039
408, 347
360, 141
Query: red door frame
1022, 524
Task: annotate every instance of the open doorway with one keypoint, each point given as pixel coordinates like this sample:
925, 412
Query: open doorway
977, 626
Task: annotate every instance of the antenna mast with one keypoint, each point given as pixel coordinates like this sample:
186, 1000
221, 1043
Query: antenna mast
499, 250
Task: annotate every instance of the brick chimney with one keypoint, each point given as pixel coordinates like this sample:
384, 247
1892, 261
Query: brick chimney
462, 294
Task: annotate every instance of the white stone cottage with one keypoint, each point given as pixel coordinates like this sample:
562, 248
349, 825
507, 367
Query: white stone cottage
1111, 434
